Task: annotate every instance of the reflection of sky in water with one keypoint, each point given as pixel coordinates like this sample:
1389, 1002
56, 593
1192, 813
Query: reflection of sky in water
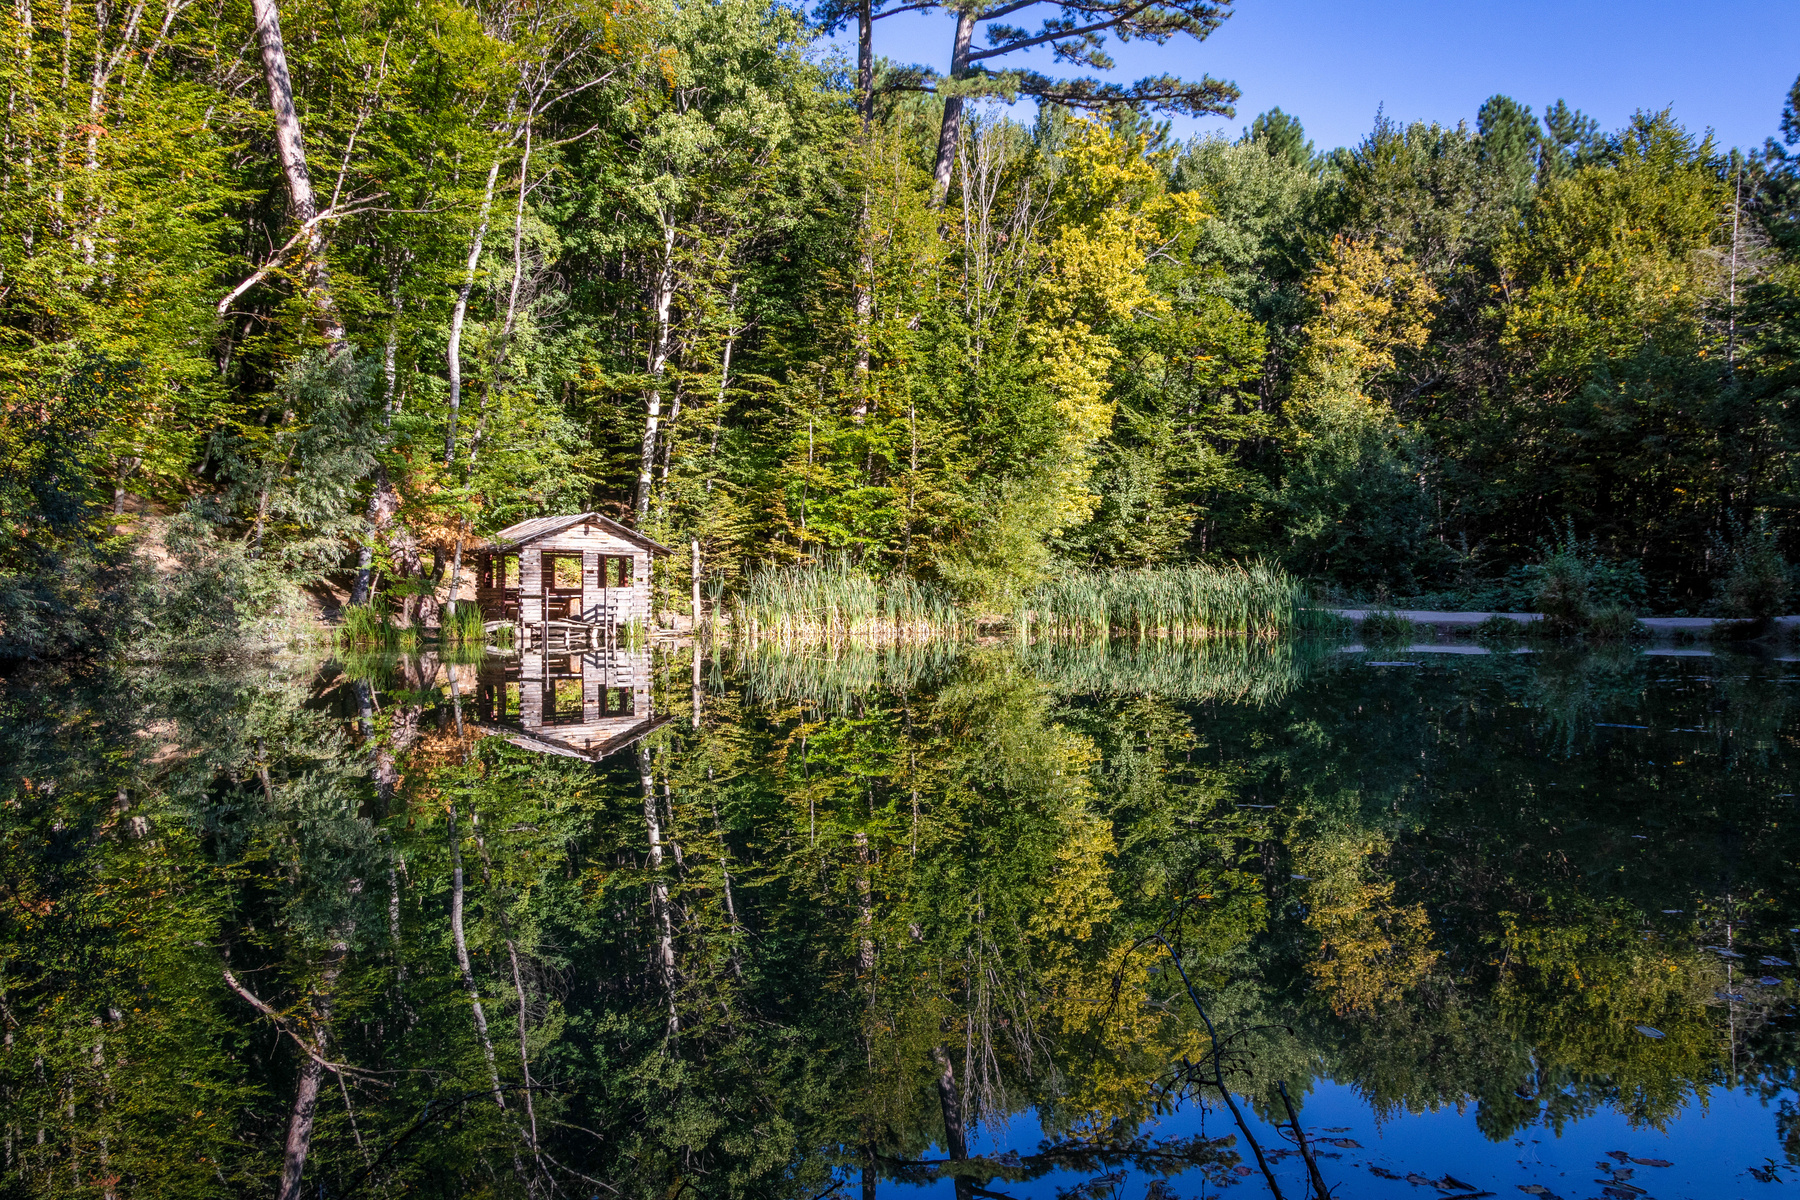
1710, 1147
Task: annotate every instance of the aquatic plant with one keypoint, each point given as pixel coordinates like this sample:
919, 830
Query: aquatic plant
1175, 602
812, 602
1614, 623
364, 625
460, 623
1384, 626
829, 677
1500, 630
1254, 671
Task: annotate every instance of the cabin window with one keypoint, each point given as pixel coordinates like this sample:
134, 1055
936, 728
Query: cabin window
615, 571
563, 704
506, 571
563, 571
615, 702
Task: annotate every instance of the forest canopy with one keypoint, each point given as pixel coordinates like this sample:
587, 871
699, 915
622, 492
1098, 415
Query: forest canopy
692, 266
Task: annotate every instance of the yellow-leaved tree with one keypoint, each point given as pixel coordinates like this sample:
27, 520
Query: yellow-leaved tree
1354, 504
1113, 215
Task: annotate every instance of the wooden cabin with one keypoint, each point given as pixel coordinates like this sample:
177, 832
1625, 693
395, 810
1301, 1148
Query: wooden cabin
566, 579
584, 705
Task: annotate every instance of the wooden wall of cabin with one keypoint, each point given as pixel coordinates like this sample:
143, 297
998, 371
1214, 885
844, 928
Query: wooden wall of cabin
598, 601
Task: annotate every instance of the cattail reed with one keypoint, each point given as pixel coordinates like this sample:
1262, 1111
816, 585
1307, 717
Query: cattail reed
1167, 602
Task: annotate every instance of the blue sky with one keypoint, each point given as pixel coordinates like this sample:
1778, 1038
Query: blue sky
1726, 64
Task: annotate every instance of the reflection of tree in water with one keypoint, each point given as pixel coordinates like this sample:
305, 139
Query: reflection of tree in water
897, 894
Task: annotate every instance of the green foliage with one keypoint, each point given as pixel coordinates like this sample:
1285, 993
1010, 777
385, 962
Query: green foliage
835, 600
1177, 602
1382, 628
1753, 583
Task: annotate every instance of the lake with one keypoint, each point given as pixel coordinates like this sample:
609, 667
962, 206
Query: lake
943, 920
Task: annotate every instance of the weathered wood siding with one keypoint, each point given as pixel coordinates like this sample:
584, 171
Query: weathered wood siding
597, 601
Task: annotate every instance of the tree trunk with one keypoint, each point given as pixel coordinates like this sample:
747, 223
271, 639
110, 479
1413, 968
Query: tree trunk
306, 1094
462, 957
659, 360
460, 312
292, 148
951, 131
659, 890
956, 1145
865, 274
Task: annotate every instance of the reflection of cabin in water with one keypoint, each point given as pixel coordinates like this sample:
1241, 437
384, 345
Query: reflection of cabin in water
569, 580
585, 705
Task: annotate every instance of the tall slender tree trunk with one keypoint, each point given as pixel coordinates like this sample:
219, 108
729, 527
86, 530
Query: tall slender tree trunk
459, 313
292, 148
865, 272
306, 1093
462, 957
663, 300
951, 130
664, 953
956, 1144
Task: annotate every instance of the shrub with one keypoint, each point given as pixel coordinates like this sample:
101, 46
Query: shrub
1615, 623
1497, 628
1385, 626
1754, 583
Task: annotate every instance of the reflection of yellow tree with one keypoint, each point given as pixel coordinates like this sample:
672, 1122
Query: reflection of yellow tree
1095, 992
1371, 950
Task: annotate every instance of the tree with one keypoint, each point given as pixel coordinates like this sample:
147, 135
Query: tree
1074, 33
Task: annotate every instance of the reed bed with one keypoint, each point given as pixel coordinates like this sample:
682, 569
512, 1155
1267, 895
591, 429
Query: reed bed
1168, 602
831, 678
829, 601
462, 622
1236, 670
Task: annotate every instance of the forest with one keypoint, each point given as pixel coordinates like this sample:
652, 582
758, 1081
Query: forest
314, 298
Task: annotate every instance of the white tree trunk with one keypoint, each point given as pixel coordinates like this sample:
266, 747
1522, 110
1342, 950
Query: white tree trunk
292, 148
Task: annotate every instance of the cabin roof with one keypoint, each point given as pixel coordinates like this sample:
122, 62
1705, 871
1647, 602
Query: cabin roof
538, 528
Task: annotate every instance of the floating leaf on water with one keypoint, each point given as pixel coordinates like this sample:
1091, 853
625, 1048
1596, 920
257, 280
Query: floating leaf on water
1770, 960
1453, 1181
1673, 912
1241, 1170
1618, 1154
1733, 996
1647, 1031
1416, 1179
1538, 1189
1342, 1143
1304, 878
1652, 1162
1338, 1128
1768, 981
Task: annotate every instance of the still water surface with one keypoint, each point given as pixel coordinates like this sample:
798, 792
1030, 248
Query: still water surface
905, 924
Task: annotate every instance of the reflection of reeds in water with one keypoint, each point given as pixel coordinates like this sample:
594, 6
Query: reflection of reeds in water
1238, 670
827, 601
1173, 602
1233, 669
830, 677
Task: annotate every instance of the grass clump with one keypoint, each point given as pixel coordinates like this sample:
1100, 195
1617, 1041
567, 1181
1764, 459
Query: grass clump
364, 625
1499, 630
462, 623
1385, 627
814, 602
1614, 623
1176, 602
